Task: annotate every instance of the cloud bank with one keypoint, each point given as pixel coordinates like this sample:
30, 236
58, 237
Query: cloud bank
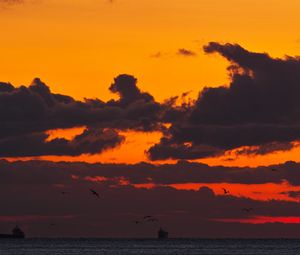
32, 193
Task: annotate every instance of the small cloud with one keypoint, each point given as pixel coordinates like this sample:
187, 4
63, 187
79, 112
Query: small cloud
158, 54
186, 53
180, 52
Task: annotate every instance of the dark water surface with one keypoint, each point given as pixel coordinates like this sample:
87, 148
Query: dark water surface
147, 246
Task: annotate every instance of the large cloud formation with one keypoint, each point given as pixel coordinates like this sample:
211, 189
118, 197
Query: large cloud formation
26, 113
259, 110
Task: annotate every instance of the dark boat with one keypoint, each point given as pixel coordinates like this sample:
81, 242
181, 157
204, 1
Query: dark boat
17, 233
162, 234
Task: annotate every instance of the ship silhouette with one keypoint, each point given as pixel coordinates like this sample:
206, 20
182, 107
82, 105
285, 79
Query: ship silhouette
162, 234
17, 233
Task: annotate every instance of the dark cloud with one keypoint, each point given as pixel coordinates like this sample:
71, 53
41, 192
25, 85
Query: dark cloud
36, 108
6, 87
259, 109
183, 172
126, 87
27, 112
167, 148
292, 194
91, 141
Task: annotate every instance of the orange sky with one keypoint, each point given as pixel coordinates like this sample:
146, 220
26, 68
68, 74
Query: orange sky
78, 46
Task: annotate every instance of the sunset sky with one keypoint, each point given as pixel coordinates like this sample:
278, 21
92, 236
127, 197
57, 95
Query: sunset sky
157, 105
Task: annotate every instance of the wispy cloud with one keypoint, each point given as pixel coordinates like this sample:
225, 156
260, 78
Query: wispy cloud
180, 52
186, 53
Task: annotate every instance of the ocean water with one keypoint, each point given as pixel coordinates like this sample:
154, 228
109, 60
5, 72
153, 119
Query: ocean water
147, 246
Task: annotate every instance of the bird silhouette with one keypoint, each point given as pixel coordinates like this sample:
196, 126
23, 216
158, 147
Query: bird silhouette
225, 191
274, 169
137, 222
147, 217
64, 193
95, 193
248, 209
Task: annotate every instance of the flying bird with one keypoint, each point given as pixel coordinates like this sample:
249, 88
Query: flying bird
64, 193
274, 169
147, 217
137, 222
248, 209
95, 193
225, 191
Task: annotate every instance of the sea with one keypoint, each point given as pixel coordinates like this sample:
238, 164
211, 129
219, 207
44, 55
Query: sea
149, 246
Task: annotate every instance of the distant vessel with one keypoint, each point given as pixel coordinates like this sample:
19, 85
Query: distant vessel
162, 234
17, 233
